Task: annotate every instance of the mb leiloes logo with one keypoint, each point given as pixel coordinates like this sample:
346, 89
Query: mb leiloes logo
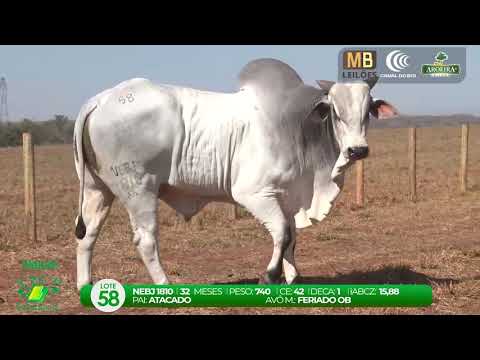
397, 61
440, 68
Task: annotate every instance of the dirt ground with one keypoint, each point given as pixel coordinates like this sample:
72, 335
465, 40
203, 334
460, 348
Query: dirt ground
434, 241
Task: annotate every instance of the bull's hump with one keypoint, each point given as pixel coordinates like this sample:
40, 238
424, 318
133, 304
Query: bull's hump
269, 74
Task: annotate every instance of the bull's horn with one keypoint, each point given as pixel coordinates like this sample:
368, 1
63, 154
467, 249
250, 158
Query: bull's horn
371, 81
325, 84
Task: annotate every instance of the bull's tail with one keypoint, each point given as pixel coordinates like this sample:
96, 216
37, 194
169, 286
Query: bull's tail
80, 228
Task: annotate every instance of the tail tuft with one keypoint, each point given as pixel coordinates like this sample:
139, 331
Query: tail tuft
80, 229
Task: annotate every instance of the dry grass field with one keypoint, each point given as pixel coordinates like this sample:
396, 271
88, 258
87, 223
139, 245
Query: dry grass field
434, 241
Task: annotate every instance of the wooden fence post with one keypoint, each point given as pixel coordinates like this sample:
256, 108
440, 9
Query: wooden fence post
235, 212
360, 193
412, 156
29, 179
464, 158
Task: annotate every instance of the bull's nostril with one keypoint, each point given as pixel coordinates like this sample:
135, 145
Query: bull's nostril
358, 152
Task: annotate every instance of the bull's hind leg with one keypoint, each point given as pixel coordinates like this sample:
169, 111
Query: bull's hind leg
143, 217
289, 267
96, 206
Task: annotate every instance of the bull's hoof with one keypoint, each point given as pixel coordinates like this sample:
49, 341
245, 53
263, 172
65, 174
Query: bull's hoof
268, 279
261, 280
295, 280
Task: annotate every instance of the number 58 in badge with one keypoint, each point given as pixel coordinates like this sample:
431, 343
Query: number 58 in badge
108, 295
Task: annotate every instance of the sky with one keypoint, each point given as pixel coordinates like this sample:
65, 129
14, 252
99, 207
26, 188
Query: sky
44, 80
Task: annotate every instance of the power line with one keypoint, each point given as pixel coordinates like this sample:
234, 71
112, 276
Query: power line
3, 100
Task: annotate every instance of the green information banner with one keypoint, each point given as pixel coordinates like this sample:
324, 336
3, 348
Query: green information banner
138, 296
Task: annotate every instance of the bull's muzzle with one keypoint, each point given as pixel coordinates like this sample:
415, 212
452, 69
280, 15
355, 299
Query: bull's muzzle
357, 152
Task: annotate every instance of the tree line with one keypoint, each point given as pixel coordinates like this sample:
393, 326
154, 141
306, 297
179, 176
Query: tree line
58, 130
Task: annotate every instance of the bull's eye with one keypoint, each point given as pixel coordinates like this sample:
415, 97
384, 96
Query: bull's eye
336, 115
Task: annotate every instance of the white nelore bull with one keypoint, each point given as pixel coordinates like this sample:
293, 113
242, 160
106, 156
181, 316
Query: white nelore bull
277, 147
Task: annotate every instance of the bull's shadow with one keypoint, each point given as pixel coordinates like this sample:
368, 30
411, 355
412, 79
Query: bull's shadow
385, 275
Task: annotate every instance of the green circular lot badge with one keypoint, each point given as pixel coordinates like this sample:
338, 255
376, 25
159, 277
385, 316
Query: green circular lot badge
108, 295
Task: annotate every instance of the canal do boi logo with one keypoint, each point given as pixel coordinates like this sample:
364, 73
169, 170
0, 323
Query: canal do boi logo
397, 61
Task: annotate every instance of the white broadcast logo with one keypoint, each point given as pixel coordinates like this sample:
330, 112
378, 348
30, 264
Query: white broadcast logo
397, 61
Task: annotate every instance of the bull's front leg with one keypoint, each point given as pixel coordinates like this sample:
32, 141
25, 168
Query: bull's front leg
289, 266
280, 232
268, 211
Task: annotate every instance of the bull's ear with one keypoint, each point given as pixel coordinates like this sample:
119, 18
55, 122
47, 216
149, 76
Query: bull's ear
322, 108
381, 109
325, 84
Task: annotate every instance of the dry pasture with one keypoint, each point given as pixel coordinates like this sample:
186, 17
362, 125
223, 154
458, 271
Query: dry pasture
435, 241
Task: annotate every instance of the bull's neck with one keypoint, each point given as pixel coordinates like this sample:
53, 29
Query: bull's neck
322, 149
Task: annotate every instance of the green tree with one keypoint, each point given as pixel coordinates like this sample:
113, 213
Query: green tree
58, 130
441, 56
